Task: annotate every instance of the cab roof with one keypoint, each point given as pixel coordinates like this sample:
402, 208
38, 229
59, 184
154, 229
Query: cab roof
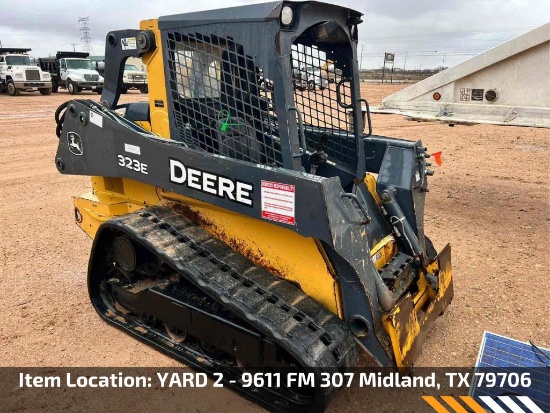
239, 14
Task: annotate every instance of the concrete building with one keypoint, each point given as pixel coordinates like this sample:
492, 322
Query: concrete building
506, 85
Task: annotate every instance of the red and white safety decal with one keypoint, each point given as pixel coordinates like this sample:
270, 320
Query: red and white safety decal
278, 202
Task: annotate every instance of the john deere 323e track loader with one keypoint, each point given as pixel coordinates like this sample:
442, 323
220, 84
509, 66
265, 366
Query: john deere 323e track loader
246, 216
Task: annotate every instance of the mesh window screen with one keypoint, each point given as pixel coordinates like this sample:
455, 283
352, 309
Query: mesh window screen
321, 94
222, 102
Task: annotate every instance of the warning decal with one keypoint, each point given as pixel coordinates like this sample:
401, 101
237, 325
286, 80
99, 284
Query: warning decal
129, 43
278, 202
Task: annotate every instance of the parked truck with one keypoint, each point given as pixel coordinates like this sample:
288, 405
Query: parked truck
17, 73
309, 77
134, 78
72, 71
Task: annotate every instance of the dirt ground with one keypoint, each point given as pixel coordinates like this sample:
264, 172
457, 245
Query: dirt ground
489, 199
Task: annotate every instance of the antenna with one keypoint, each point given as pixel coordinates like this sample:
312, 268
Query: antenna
74, 47
85, 29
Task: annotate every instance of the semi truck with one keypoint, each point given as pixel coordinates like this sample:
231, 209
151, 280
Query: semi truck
72, 71
17, 73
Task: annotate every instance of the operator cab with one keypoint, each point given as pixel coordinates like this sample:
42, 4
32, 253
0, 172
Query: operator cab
267, 99
232, 88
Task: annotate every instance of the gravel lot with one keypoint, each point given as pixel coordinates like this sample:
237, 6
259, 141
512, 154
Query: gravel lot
489, 199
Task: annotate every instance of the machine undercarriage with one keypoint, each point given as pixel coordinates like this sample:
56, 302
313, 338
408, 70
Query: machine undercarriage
168, 282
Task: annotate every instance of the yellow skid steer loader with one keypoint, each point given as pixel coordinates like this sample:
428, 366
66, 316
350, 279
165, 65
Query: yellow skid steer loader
240, 221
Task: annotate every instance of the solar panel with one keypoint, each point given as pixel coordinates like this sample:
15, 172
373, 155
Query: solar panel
501, 354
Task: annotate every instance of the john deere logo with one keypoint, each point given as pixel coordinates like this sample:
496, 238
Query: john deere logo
75, 143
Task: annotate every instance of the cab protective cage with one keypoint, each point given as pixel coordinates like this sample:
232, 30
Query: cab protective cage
243, 87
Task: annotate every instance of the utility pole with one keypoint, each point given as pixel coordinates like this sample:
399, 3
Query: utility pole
74, 47
85, 29
405, 64
361, 63
0, 43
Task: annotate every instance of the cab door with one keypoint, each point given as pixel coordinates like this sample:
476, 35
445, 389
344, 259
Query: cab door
63, 72
2, 66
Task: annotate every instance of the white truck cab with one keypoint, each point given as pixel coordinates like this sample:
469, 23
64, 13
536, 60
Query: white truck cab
72, 71
77, 74
309, 77
134, 79
17, 73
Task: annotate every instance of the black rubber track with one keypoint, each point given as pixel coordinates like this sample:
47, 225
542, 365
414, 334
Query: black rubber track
314, 337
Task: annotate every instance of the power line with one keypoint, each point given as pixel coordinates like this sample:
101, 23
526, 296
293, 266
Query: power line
409, 54
435, 34
85, 29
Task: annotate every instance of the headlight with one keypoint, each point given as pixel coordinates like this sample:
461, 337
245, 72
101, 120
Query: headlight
18, 75
77, 78
101, 79
287, 15
46, 75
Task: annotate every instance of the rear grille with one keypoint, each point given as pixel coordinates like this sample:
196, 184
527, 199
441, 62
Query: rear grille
91, 77
137, 78
32, 74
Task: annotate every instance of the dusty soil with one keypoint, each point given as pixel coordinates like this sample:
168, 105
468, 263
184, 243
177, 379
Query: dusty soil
489, 199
